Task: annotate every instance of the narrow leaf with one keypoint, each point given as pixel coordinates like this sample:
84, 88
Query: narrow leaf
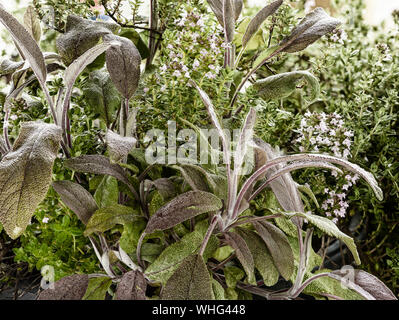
196, 177
26, 44
77, 198
191, 281
32, 23
316, 24
182, 208
279, 247
228, 20
26, 173
368, 282
257, 21
131, 287
97, 164
263, 261
68, 288
243, 254
329, 227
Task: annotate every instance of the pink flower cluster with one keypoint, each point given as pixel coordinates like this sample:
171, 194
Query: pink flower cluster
326, 133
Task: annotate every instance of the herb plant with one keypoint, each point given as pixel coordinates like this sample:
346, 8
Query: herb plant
192, 235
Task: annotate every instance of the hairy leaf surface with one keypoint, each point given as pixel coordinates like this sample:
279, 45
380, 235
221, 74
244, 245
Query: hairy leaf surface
316, 24
131, 287
68, 288
106, 218
282, 85
123, 64
77, 198
26, 173
243, 254
279, 247
182, 208
191, 281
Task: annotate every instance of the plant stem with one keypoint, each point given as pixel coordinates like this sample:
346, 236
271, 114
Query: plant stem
208, 235
5, 130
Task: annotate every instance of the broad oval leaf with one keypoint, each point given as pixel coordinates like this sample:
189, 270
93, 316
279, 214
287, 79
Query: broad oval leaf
182, 208
316, 24
26, 173
282, 85
191, 281
371, 284
257, 21
279, 247
26, 44
68, 288
97, 288
77, 198
118, 146
32, 23
170, 259
106, 218
107, 192
123, 64
262, 259
132, 286
81, 35
243, 254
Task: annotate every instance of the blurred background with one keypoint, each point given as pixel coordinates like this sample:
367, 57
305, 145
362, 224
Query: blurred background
376, 12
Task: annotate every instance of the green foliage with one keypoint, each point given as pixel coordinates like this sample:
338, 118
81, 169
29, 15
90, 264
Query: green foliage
200, 232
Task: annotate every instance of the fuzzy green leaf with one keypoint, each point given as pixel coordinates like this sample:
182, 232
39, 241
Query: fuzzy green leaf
106, 218
26, 174
329, 227
262, 258
191, 281
8, 67
196, 177
97, 288
107, 193
257, 21
282, 85
102, 96
243, 254
279, 247
118, 146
